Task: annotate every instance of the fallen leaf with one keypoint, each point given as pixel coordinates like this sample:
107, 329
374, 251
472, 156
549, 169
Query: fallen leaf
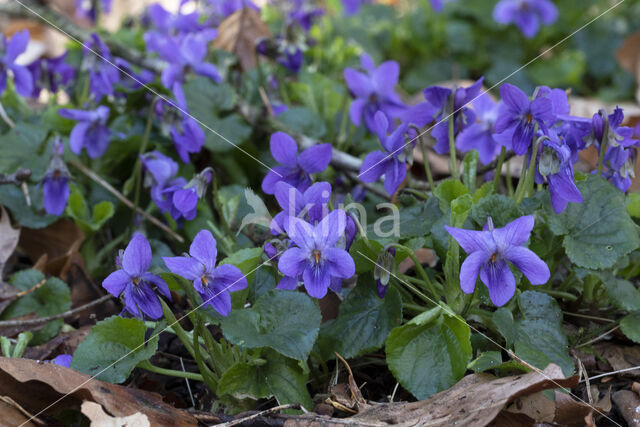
36, 386
572, 412
99, 418
12, 414
536, 406
474, 401
620, 357
240, 33
9, 237
628, 404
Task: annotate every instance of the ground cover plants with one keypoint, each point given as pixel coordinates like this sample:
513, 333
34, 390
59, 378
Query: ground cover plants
278, 194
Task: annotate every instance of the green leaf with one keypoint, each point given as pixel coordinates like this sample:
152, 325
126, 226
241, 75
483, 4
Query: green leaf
32, 216
630, 325
51, 298
285, 321
280, 377
303, 121
113, 348
469, 172
204, 96
503, 319
414, 221
22, 147
364, 321
230, 128
500, 208
540, 338
247, 261
449, 190
623, 293
78, 209
486, 361
365, 256
430, 355
598, 231
633, 204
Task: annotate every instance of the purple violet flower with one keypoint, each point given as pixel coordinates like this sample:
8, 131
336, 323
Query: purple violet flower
438, 5
225, 8
9, 51
303, 13
479, 136
91, 131
161, 171
527, 15
556, 167
211, 282
135, 282
50, 74
63, 360
373, 92
315, 259
351, 7
186, 55
168, 23
489, 250
521, 115
390, 162
86, 9
436, 108
295, 169
312, 204
103, 76
56, 182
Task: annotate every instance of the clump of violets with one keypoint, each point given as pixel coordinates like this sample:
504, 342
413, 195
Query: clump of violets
50, 74
294, 169
134, 281
315, 259
9, 51
527, 15
188, 137
479, 135
556, 168
311, 204
521, 116
489, 251
91, 131
88, 8
55, 183
374, 90
212, 283
97, 60
443, 104
391, 162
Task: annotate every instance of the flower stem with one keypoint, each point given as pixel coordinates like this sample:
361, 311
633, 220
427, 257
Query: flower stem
208, 376
558, 294
527, 186
170, 372
419, 269
137, 169
498, 172
452, 143
175, 325
427, 166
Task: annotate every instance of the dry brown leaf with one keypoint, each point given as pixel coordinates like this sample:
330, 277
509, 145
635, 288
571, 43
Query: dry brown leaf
628, 404
99, 418
9, 237
620, 357
572, 412
240, 33
474, 401
536, 406
36, 385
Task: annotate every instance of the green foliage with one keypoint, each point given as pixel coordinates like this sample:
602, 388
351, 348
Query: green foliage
78, 210
285, 321
430, 353
274, 375
599, 231
363, 323
49, 299
537, 337
630, 326
113, 348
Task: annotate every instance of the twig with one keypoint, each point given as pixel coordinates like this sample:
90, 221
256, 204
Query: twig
584, 316
261, 414
599, 337
619, 371
124, 200
28, 291
16, 178
30, 322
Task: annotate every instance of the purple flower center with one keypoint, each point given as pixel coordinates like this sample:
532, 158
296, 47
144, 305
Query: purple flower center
316, 255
